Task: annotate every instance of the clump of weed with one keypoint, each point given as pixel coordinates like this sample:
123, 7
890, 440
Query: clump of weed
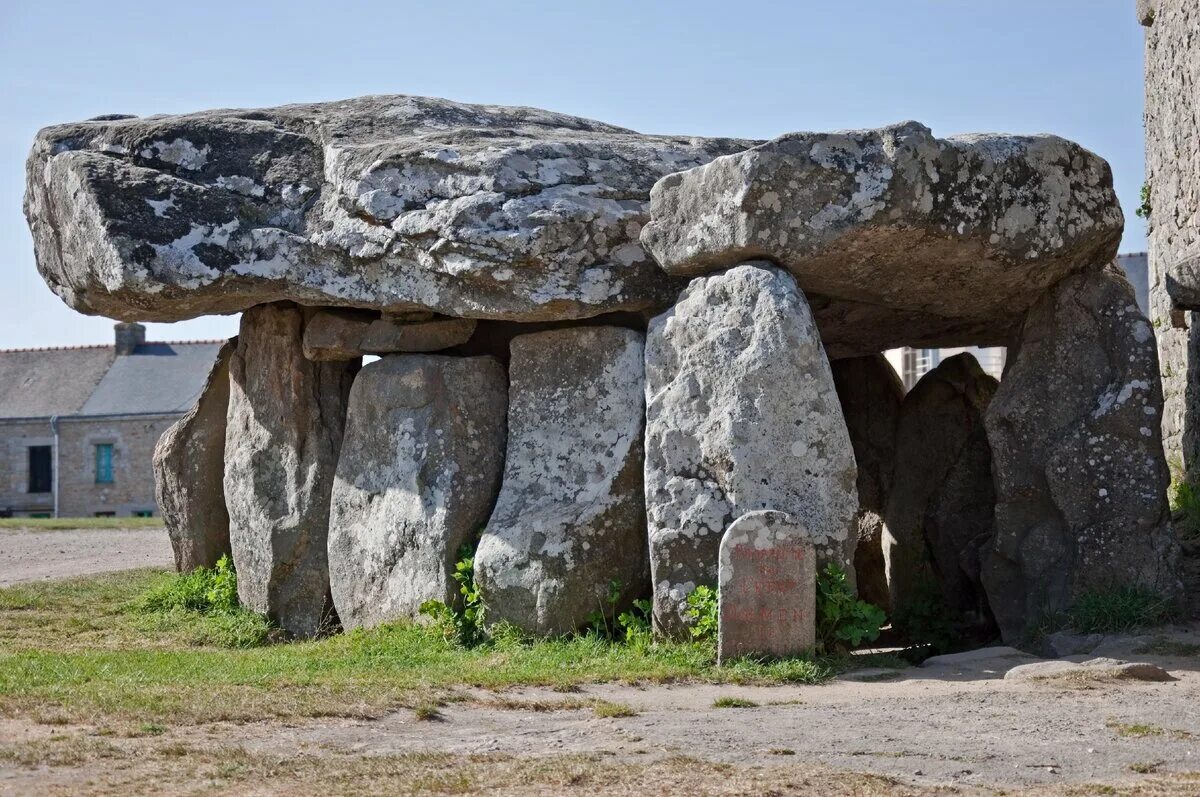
1185, 507
427, 712
842, 619
1119, 609
463, 623
208, 594
734, 702
632, 626
1143, 210
608, 710
205, 590
701, 611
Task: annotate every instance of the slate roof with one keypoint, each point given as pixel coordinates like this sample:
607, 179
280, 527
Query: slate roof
157, 378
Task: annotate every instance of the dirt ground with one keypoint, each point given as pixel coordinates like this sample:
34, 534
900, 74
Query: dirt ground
36, 555
957, 728
952, 727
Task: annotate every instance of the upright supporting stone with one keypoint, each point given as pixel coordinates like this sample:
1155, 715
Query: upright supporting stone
768, 588
284, 431
741, 415
189, 473
1078, 459
870, 393
570, 519
418, 473
939, 513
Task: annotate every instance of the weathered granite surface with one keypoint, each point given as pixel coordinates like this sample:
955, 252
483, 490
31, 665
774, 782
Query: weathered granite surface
189, 473
1077, 455
932, 240
417, 476
741, 415
570, 519
388, 202
1173, 179
282, 438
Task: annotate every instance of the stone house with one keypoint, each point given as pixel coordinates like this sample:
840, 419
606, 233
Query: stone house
78, 425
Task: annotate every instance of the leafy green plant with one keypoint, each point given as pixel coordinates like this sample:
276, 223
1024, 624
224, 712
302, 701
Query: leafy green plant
600, 621
210, 592
463, 623
632, 626
635, 623
842, 619
205, 590
1185, 506
702, 612
1143, 210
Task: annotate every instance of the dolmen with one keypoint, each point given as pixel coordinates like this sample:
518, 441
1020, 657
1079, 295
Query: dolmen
594, 351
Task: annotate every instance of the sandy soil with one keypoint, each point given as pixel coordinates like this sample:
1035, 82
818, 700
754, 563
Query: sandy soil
957, 725
33, 555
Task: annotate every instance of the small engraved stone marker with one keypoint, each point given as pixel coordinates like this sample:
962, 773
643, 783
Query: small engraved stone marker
768, 588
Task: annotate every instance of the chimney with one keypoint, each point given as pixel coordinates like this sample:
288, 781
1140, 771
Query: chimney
129, 337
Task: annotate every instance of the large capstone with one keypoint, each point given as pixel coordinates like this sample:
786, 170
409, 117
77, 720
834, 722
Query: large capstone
282, 438
189, 473
1080, 474
570, 520
387, 202
741, 416
895, 236
417, 476
939, 511
870, 393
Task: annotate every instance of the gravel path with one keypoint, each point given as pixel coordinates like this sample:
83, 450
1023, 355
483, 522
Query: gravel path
31, 555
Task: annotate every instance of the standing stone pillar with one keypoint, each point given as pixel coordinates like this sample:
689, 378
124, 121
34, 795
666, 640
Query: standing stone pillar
939, 513
570, 519
283, 434
189, 473
768, 588
741, 415
417, 477
1077, 455
870, 393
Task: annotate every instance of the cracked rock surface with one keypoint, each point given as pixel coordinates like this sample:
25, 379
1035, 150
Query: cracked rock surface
930, 241
387, 202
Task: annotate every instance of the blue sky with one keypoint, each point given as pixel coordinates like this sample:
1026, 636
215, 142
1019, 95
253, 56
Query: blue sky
752, 69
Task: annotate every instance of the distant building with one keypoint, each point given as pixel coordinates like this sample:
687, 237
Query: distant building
912, 364
78, 425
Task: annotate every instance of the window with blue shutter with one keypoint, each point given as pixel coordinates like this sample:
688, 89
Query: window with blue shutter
104, 463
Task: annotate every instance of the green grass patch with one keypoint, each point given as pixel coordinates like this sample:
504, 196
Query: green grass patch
1119, 609
608, 710
734, 702
152, 647
1106, 611
1143, 730
68, 523
1185, 507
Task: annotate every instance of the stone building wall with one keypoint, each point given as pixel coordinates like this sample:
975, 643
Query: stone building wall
1173, 176
132, 487
15, 440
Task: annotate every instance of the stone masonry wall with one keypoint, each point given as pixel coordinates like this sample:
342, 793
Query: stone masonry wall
1173, 174
132, 488
15, 441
